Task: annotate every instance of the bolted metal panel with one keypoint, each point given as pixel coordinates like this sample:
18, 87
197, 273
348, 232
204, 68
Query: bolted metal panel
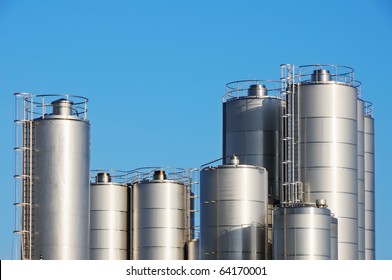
61, 161
193, 249
109, 221
361, 180
302, 233
159, 220
369, 190
233, 222
328, 154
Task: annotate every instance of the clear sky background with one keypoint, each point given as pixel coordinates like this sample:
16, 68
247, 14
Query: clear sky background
155, 73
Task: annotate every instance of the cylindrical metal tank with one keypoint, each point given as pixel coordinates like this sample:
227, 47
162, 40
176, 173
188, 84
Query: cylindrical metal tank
251, 127
334, 237
193, 249
302, 232
109, 218
361, 180
326, 122
159, 217
60, 178
369, 185
233, 200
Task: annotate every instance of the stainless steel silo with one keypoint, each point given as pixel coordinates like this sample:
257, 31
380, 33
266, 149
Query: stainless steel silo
334, 237
302, 232
369, 185
251, 130
109, 217
159, 203
361, 180
233, 223
325, 124
193, 249
57, 163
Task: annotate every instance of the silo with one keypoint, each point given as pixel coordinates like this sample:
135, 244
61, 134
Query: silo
369, 185
325, 122
159, 214
57, 161
334, 238
302, 232
109, 217
193, 249
233, 223
251, 130
361, 180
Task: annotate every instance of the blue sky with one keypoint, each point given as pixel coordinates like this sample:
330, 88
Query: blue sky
155, 73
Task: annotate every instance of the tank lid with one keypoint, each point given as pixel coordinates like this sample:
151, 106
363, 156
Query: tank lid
103, 177
321, 203
62, 107
159, 175
234, 160
257, 90
321, 75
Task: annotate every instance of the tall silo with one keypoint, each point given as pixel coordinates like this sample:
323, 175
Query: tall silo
109, 216
55, 188
251, 130
233, 223
324, 121
159, 214
302, 232
369, 185
361, 180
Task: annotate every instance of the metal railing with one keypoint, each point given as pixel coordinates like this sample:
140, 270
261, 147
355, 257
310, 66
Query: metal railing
368, 109
240, 88
146, 174
116, 176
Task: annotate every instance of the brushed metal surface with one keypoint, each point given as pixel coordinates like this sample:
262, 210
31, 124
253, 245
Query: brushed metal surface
328, 154
251, 130
159, 220
109, 221
194, 249
233, 214
370, 252
302, 233
61, 162
361, 180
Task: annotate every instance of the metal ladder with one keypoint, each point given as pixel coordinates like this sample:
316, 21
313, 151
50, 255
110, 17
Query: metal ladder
24, 194
291, 188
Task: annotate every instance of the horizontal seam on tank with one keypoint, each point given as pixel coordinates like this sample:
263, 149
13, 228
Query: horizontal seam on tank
164, 246
242, 251
108, 229
304, 255
372, 211
328, 167
312, 228
108, 248
163, 227
116, 211
347, 242
324, 191
327, 142
339, 118
258, 225
162, 208
228, 200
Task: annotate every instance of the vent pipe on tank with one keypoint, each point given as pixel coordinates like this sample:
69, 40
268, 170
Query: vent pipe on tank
257, 90
234, 160
321, 75
321, 203
62, 107
103, 177
159, 175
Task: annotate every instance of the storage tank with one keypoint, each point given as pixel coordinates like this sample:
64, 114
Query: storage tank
159, 211
302, 232
56, 140
326, 143
233, 200
251, 130
361, 180
334, 238
369, 184
193, 249
109, 216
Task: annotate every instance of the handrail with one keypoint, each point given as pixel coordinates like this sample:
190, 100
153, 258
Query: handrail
238, 89
117, 176
368, 109
147, 174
